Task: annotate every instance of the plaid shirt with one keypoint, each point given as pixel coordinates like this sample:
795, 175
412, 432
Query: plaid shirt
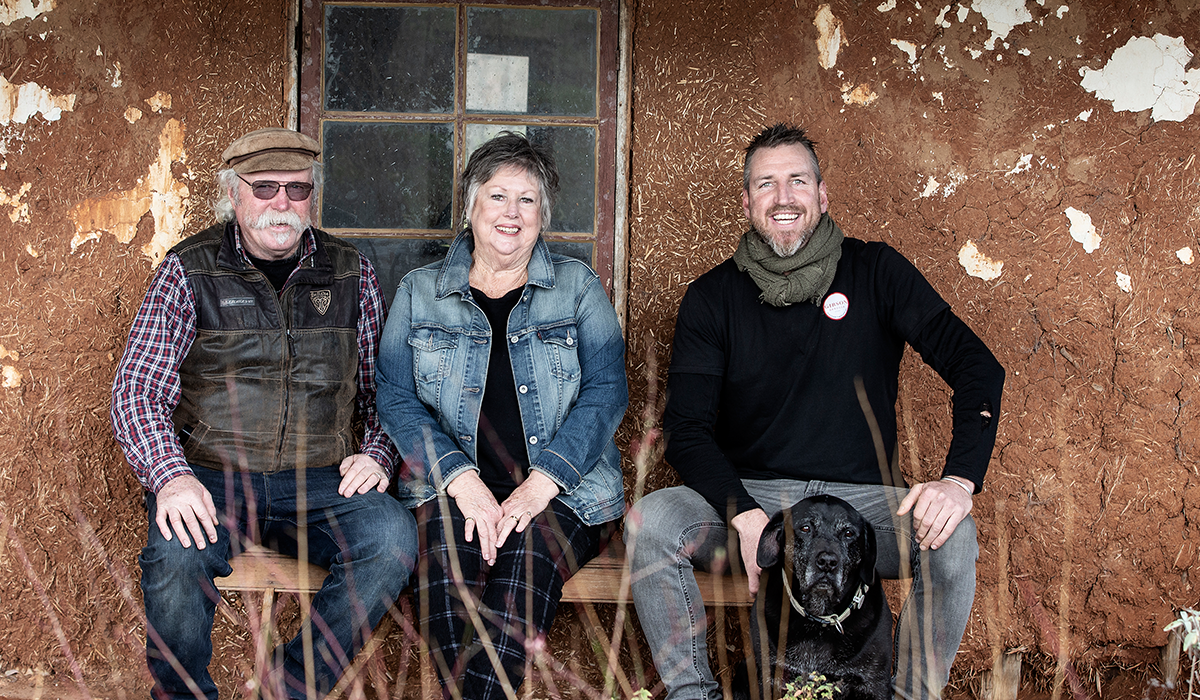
146, 389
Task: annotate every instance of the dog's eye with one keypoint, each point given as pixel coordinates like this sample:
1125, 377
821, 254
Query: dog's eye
849, 534
806, 528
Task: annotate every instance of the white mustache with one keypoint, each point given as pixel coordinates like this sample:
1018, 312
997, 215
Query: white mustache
280, 218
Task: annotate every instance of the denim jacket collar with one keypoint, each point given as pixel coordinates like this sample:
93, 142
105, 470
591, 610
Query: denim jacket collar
455, 272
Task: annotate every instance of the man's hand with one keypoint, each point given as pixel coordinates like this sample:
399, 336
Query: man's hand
524, 504
184, 505
360, 474
750, 526
476, 502
937, 509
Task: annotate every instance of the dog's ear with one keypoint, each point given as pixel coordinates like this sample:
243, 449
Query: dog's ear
770, 544
867, 570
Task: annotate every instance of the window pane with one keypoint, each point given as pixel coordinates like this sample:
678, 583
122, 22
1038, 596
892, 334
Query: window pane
531, 61
389, 59
387, 175
574, 151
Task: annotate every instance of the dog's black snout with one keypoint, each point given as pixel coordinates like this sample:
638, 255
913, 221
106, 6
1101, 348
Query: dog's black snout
827, 561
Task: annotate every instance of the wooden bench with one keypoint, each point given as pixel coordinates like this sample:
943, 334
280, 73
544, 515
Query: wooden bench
603, 580
262, 570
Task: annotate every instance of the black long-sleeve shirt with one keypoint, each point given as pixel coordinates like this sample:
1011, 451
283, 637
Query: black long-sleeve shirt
761, 392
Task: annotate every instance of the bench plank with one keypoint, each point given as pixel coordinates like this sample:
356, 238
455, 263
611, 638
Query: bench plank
599, 581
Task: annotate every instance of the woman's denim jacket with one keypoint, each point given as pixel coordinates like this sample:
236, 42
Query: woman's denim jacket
568, 363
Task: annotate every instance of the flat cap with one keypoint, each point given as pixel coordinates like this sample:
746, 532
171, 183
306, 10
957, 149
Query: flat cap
273, 148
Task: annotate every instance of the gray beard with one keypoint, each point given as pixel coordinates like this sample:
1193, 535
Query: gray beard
780, 249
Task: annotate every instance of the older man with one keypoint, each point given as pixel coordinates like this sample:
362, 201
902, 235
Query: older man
763, 410
251, 357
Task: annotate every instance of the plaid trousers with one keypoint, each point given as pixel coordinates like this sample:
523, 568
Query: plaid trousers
515, 599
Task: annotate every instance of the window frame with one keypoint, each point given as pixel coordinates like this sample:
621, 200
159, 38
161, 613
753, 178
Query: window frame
311, 117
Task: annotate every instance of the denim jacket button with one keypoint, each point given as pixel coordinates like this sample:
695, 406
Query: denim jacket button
523, 389
533, 439
570, 341
513, 339
465, 438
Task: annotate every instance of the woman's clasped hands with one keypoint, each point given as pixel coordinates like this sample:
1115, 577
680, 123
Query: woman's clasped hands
492, 521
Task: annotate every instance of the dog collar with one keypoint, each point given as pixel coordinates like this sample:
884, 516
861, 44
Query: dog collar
835, 620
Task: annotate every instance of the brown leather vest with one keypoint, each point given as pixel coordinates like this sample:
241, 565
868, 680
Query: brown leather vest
270, 381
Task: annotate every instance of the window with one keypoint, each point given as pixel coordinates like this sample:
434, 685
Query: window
399, 94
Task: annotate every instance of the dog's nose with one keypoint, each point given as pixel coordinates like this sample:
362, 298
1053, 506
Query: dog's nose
827, 561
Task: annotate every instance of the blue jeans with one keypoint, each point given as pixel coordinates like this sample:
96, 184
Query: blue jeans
368, 542
672, 530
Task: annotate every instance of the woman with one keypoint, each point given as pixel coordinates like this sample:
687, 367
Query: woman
502, 380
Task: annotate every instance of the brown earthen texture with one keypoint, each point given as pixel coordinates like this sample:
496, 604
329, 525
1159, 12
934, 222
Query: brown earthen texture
1093, 495
1089, 521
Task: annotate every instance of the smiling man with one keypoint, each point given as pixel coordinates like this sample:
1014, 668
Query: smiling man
774, 351
250, 358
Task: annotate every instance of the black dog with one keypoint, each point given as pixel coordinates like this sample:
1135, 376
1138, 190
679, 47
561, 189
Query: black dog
820, 595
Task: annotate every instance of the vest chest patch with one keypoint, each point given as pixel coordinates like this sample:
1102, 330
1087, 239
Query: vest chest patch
320, 300
236, 301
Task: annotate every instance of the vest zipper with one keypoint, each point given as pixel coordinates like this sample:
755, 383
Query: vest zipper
287, 390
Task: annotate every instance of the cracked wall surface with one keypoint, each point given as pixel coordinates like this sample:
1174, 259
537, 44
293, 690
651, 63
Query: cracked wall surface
960, 133
1058, 223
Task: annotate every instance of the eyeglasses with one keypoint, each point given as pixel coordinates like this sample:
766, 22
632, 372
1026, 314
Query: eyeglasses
267, 189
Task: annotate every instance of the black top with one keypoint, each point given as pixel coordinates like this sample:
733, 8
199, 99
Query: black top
761, 392
277, 271
502, 458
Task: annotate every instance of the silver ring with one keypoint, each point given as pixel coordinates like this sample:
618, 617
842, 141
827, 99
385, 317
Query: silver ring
529, 513
469, 518
517, 518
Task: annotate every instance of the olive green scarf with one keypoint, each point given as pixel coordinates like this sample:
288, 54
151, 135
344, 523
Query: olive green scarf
804, 276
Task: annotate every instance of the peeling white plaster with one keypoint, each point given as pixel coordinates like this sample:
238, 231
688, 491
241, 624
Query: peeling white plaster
939, 97
977, 264
1084, 115
941, 18
907, 47
1082, 229
12, 378
829, 37
157, 192
6, 354
20, 211
116, 80
1025, 163
963, 11
31, 250
1151, 74
160, 101
133, 114
887, 6
974, 53
20, 102
1062, 11
13, 10
956, 178
1185, 255
862, 95
1001, 16
1124, 283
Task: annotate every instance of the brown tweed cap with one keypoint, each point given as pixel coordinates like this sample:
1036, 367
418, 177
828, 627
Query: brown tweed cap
273, 148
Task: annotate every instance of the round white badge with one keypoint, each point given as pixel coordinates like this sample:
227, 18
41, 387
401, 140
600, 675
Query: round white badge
836, 305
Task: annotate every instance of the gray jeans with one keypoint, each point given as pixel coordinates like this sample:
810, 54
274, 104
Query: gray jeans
672, 530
